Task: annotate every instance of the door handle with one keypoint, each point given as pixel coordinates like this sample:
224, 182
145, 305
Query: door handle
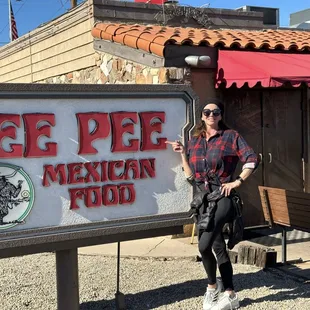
270, 158
260, 157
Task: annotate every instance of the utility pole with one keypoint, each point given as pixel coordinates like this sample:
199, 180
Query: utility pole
73, 3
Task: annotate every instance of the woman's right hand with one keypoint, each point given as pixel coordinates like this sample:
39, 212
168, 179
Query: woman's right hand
177, 146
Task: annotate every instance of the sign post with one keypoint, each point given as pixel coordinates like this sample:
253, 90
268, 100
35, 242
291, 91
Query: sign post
119, 296
67, 280
88, 164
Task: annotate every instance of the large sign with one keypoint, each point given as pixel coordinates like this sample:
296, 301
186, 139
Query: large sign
70, 160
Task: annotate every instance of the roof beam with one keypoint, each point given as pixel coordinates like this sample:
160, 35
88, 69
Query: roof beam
129, 53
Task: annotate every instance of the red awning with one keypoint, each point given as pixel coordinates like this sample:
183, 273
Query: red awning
270, 69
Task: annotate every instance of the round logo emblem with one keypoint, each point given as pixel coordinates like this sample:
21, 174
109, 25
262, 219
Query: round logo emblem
16, 195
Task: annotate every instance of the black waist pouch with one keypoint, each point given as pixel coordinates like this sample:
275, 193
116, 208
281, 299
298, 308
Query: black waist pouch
206, 222
206, 219
204, 207
236, 227
198, 204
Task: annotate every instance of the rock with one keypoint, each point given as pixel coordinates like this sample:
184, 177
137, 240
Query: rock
155, 80
163, 77
145, 72
103, 78
154, 71
129, 68
104, 68
140, 79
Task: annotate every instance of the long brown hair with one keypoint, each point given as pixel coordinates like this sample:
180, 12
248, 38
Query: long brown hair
200, 128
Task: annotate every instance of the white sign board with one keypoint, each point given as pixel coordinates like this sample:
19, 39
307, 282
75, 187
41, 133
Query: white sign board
67, 161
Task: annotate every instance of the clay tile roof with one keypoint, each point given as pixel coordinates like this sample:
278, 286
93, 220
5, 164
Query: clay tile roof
153, 39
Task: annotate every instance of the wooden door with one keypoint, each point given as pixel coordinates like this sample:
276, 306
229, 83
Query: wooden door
243, 112
282, 132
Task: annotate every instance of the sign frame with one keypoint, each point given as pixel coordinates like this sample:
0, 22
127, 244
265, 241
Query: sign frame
61, 238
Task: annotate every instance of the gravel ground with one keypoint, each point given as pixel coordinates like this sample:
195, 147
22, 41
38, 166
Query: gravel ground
29, 282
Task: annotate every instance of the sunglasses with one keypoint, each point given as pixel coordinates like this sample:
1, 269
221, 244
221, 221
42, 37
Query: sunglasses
216, 112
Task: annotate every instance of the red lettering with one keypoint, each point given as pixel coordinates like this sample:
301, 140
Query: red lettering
74, 173
104, 176
148, 166
110, 195
75, 193
107, 195
113, 165
132, 165
92, 174
151, 122
93, 197
129, 197
101, 131
54, 174
33, 131
119, 129
10, 132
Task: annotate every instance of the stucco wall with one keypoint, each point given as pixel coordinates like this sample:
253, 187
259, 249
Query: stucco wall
62, 45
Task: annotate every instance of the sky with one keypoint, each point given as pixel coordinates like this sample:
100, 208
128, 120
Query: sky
29, 14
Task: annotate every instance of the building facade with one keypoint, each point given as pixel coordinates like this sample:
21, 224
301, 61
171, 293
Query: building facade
220, 53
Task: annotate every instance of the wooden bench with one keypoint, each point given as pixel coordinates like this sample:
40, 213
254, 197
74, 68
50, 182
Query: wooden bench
287, 209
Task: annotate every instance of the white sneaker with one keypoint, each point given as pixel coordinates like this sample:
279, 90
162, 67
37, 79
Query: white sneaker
227, 303
212, 295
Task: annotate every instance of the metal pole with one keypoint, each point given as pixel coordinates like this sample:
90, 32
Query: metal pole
118, 265
67, 280
283, 245
193, 233
119, 297
10, 20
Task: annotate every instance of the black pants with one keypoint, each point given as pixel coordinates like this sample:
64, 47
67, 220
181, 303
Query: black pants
215, 239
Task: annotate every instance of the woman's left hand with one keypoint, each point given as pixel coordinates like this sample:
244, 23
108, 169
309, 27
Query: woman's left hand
227, 187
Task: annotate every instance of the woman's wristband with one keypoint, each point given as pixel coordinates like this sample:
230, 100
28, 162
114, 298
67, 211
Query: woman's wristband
239, 179
190, 177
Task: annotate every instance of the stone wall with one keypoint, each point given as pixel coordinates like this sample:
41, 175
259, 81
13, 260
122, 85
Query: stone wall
110, 69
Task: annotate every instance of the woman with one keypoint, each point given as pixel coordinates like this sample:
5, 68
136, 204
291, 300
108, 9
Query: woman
214, 150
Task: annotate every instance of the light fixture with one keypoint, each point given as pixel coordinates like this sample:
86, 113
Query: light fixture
198, 61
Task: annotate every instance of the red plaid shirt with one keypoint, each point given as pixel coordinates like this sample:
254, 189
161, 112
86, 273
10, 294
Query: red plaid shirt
220, 155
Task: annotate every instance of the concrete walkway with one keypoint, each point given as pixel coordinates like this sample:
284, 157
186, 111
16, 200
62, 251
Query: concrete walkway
152, 247
168, 246
298, 249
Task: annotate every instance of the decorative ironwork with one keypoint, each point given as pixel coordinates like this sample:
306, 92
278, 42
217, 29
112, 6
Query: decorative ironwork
168, 12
